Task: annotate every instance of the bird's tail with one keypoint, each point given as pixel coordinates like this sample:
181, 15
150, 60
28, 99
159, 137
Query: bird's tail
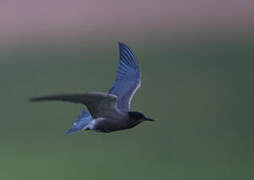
81, 124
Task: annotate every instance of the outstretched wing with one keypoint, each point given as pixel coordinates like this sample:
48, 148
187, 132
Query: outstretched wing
128, 78
98, 104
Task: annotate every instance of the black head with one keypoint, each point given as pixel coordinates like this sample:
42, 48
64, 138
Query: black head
138, 116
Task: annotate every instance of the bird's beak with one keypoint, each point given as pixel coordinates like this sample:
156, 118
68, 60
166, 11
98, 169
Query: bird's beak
148, 119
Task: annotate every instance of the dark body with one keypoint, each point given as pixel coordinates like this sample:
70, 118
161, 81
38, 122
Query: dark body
115, 123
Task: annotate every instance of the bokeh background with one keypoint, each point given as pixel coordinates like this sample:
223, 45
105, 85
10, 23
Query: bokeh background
197, 62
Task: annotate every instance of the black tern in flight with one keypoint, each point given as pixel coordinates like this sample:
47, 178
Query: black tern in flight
109, 111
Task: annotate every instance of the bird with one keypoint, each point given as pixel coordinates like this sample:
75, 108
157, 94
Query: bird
108, 112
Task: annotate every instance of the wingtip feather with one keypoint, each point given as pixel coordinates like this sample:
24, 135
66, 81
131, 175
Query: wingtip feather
121, 43
34, 99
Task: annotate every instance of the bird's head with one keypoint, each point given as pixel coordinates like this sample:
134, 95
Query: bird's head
137, 116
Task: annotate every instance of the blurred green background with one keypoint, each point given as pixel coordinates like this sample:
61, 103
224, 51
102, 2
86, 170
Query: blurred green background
197, 84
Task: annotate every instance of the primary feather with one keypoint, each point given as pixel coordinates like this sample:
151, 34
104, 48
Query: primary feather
128, 78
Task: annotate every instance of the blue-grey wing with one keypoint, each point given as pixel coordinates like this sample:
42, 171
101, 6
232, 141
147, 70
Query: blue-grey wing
83, 120
128, 78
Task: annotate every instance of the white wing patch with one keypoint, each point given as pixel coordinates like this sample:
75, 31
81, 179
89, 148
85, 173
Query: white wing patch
92, 124
133, 92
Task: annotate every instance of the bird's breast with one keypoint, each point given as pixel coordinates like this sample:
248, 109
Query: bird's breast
113, 124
